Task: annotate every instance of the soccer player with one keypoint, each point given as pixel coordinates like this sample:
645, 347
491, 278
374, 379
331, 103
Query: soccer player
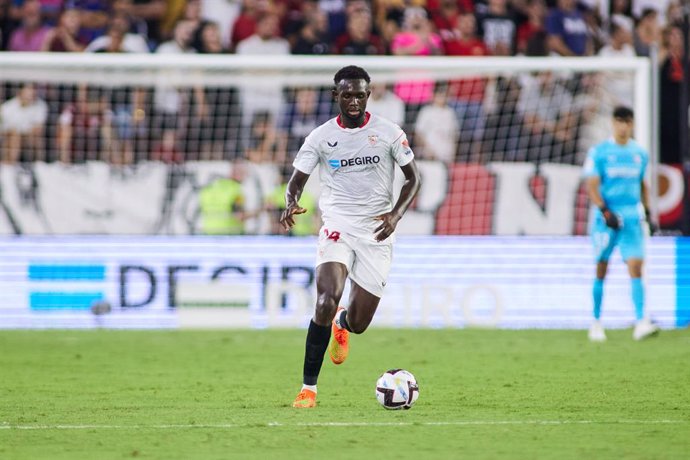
615, 183
356, 153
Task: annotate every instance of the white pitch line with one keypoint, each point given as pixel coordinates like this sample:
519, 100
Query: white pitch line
6, 426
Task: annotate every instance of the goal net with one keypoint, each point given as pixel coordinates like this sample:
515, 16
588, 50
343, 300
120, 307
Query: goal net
150, 144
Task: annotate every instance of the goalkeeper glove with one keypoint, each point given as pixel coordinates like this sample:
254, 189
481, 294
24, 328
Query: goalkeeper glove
610, 218
653, 228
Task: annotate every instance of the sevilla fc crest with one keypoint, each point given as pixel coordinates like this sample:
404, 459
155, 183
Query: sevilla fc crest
373, 139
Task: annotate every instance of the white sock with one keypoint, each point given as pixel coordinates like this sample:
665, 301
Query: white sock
309, 387
337, 318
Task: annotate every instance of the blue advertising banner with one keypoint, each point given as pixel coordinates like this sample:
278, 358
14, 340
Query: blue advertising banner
258, 282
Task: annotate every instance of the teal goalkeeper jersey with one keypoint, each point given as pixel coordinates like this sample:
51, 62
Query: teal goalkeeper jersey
621, 169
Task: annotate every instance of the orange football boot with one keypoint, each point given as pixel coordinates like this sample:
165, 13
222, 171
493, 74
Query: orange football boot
340, 343
305, 399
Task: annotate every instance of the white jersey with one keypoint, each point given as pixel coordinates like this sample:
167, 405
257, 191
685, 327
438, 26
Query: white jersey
357, 168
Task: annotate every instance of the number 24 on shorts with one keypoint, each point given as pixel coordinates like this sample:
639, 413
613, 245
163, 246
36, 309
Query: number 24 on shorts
335, 236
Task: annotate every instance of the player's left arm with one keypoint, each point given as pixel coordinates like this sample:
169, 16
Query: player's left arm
389, 220
644, 196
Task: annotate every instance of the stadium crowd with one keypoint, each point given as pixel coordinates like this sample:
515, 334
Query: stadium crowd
545, 117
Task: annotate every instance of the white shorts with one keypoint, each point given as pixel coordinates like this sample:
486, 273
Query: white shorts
368, 262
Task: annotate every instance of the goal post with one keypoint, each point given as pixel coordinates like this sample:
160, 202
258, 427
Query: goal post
201, 114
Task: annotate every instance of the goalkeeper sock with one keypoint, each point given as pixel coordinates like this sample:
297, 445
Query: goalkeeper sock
597, 294
317, 342
638, 297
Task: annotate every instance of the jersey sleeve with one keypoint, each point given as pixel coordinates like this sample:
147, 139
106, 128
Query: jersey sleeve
308, 156
591, 168
400, 149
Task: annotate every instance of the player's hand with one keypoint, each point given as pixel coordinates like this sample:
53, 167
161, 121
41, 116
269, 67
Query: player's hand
653, 227
389, 221
610, 218
286, 219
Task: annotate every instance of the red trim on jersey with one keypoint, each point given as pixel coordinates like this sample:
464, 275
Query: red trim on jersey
367, 115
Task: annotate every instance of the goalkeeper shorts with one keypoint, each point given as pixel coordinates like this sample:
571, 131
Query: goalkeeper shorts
630, 239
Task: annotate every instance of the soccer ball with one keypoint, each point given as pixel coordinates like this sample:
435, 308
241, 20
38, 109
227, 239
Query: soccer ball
397, 389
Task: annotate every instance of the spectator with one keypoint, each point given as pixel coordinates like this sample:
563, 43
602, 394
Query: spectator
50, 10
65, 37
674, 13
222, 204
505, 137
192, 15
464, 6
23, 120
548, 113
307, 225
671, 86
125, 121
137, 25
304, 114
84, 131
359, 39
445, 15
128, 124
266, 144
567, 30
619, 85
181, 42
464, 40
415, 39
6, 23
467, 95
620, 11
119, 39
245, 24
211, 41
386, 104
660, 6
295, 19
337, 14
437, 131
266, 39
223, 13
390, 14
498, 29
267, 96
647, 32
597, 32
173, 105
152, 12
219, 130
313, 38
32, 33
532, 28
95, 17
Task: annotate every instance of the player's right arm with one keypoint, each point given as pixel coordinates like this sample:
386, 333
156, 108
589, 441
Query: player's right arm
293, 192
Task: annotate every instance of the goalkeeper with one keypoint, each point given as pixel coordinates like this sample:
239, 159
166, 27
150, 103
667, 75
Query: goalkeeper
615, 172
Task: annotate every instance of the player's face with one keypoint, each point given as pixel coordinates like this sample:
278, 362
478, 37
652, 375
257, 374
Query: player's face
352, 96
622, 130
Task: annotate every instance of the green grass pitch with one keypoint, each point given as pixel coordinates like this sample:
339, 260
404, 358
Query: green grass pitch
227, 394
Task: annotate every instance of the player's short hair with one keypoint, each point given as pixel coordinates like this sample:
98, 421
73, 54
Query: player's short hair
351, 72
623, 113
